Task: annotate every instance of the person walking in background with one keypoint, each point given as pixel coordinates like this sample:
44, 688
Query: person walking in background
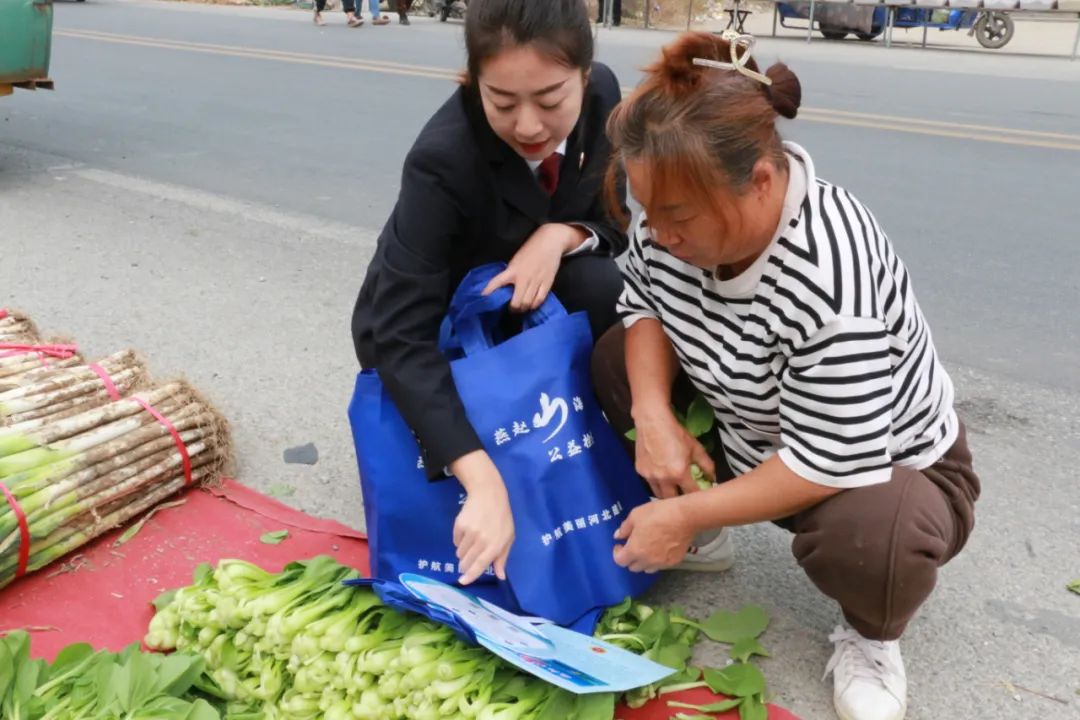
403, 7
616, 14
377, 18
353, 13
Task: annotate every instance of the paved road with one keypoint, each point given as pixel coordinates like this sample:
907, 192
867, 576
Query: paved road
206, 185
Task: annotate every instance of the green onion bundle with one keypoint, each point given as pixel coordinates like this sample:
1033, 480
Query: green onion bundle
75, 477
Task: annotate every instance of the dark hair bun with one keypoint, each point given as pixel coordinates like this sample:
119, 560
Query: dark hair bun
785, 93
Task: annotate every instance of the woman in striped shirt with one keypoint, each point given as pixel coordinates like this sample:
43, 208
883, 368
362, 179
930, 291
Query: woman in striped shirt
776, 296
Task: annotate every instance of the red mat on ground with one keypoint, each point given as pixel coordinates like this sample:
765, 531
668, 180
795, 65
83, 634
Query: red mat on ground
101, 594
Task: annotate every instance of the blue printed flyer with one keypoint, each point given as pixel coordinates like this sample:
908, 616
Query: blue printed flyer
567, 659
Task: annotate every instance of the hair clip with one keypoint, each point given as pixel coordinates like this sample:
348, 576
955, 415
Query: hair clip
738, 62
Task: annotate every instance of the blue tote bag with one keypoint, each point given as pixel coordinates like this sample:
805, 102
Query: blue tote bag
529, 397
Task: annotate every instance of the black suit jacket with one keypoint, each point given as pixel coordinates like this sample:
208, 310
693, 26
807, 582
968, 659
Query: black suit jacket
467, 198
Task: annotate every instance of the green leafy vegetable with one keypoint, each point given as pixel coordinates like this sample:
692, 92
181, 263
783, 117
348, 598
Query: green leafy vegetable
274, 538
1074, 586
700, 417
746, 648
753, 708
717, 707
134, 529
737, 680
728, 627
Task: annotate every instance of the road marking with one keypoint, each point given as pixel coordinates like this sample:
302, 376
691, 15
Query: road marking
890, 123
261, 54
942, 131
302, 225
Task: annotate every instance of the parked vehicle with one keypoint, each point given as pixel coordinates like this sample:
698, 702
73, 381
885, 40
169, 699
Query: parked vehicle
445, 9
992, 28
25, 44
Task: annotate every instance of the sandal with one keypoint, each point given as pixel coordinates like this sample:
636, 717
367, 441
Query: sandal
381, 20
355, 22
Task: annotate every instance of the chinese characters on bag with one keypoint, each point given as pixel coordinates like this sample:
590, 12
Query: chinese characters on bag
582, 523
551, 410
448, 568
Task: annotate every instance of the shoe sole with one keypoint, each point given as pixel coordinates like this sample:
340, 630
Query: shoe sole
716, 566
845, 716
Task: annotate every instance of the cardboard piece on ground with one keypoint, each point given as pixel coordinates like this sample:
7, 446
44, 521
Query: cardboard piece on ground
101, 594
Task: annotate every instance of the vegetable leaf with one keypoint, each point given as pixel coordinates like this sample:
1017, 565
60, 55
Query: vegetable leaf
163, 600
700, 417
274, 538
202, 710
746, 648
7, 668
673, 655
281, 490
728, 627
598, 706
753, 708
178, 673
203, 573
559, 705
716, 707
738, 680
1074, 586
134, 529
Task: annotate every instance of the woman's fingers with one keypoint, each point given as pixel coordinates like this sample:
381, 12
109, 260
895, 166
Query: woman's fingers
465, 546
500, 564
475, 563
541, 294
519, 302
703, 461
506, 277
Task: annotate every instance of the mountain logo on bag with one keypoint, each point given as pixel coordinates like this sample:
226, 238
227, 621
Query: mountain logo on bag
548, 409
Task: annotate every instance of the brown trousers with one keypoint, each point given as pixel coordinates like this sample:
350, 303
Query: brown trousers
874, 550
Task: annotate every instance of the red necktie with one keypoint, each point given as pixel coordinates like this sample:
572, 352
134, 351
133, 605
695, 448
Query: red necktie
548, 173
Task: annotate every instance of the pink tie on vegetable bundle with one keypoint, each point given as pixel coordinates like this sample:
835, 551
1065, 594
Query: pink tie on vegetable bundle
185, 457
180, 446
44, 352
110, 386
24, 531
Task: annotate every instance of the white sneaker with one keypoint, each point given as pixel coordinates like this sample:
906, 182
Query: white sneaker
868, 677
716, 555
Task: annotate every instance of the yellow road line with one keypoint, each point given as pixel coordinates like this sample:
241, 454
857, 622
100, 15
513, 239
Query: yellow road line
891, 123
940, 124
260, 54
943, 132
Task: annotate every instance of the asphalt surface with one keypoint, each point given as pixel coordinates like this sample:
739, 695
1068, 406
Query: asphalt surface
206, 185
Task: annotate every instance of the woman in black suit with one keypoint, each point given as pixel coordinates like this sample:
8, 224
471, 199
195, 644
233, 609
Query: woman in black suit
509, 169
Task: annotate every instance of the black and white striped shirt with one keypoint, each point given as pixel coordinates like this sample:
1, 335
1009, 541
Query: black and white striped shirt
818, 351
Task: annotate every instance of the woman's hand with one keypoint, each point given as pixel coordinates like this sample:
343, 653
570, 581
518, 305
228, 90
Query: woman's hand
657, 536
664, 453
484, 529
533, 268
